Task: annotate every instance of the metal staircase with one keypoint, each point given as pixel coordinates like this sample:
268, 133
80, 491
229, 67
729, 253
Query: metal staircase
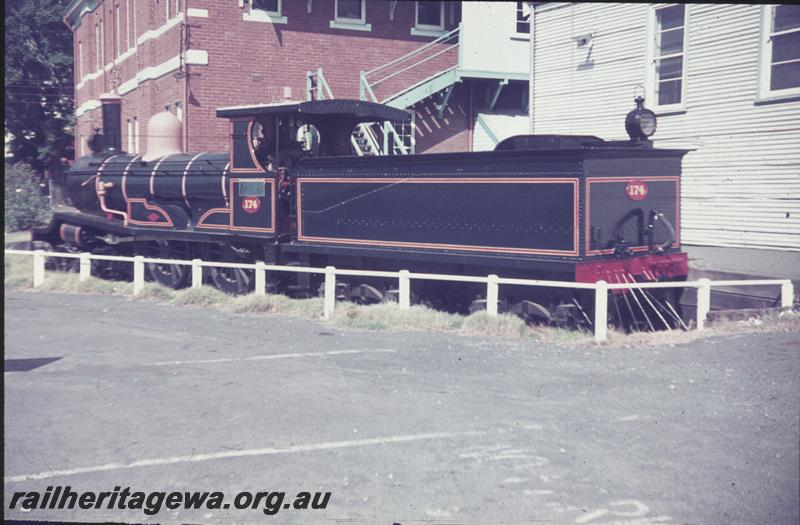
368, 138
403, 82
400, 83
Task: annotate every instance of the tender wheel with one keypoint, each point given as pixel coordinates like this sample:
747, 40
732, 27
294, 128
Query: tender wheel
170, 275
234, 281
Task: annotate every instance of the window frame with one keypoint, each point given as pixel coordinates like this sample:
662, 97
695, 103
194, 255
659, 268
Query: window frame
350, 23
81, 66
429, 29
765, 60
117, 29
134, 37
651, 80
517, 21
98, 46
136, 135
173, 8
130, 39
262, 15
130, 136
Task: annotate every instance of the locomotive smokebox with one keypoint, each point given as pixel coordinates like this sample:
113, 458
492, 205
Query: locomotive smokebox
112, 120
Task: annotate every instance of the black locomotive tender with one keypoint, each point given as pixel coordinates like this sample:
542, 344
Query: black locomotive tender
290, 190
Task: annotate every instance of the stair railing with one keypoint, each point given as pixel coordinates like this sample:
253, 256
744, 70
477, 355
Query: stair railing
317, 87
393, 68
384, 72
366, 93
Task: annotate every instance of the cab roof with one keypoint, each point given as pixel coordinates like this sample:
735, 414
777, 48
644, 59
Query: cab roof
358, 110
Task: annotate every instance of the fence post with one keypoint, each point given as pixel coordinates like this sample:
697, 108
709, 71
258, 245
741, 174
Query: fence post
138, 274
492, 293
261, 281
197, 273
600, 311
703, 302
38, 268
85, 267
787, 294
404, 290
330, 291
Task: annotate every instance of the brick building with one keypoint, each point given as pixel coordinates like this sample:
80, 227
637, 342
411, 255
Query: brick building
457, 66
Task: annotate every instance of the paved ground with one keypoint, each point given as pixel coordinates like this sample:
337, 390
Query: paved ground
403, 427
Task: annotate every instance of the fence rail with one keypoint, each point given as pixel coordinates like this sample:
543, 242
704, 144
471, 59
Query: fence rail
404, 277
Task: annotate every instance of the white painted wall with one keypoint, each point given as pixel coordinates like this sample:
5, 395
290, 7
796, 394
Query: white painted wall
501, 125
489, 41
741, 185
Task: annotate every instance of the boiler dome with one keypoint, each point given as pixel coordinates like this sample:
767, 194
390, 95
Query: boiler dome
164, 133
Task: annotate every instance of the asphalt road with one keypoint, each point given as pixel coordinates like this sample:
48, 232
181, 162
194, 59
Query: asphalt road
399, 427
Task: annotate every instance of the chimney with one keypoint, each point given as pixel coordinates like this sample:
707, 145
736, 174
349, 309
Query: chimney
112, 120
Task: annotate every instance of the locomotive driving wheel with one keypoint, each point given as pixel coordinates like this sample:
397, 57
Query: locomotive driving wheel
111, 270
65, 264
170, 275
232, 281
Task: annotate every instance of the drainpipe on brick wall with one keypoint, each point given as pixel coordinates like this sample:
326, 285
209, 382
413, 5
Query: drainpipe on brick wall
185, 46
532, 48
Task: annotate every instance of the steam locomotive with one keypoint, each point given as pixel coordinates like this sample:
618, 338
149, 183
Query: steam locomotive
291, 190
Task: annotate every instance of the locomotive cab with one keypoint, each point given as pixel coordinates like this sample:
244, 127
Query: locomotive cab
267, 137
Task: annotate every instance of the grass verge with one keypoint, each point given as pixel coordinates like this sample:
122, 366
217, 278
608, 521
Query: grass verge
386, 316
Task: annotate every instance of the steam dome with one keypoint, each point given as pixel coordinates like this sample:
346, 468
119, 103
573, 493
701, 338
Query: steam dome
164, 132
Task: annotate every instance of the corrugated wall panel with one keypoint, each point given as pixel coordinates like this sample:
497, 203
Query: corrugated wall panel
741, 184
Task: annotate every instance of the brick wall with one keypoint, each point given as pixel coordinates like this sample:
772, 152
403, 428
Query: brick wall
250, 62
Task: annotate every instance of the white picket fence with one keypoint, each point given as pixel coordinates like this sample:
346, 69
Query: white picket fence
404, 277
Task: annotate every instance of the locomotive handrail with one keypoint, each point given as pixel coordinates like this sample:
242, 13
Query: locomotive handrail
601, 288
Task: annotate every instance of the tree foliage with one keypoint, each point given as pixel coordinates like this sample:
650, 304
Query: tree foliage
39, 97
25, 206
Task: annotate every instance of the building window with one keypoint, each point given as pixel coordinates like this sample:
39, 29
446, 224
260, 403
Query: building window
173, 8
117, 29
129, 12
265, 11
523, 18
350, 14
136, 134
430, 14
429, 19
351, 11
98, 46
272, 7
130, 136
81, 69
667, 75
780, 51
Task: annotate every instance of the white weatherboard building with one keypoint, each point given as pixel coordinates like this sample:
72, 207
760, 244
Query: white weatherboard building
724, 81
